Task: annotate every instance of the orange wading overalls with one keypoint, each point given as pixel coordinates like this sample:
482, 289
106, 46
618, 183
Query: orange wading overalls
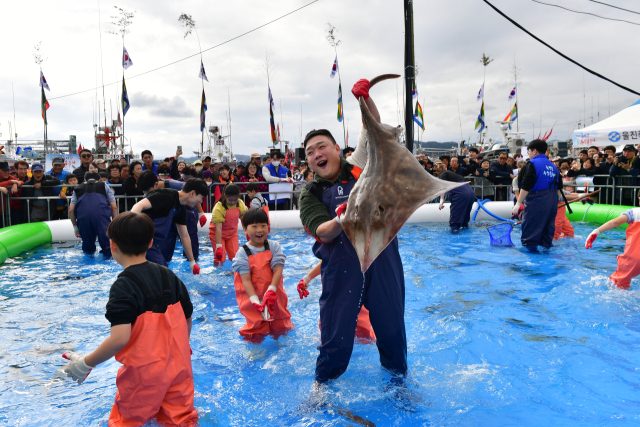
629, 261
156, 378
230, 243
563, 225
261, 276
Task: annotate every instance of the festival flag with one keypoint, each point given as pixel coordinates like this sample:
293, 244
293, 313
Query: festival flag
418, 117
480, 121
334, 69
43, 82
414, 94
512, 94
79, 148
272, 123
346, 142
513, 115
340, 113
203, 109
481, 93
546, 137
44, 106
119, 121
124, 99
278, 132
126, 59
202, 74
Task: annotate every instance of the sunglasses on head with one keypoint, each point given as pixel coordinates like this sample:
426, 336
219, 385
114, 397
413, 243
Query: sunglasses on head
84, 156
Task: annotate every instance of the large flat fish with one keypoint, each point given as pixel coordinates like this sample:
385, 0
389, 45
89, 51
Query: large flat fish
390, 188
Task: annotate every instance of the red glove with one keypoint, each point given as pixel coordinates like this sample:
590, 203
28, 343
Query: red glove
302, 289
217, 260
591, 239
196, 269
340, 210
361, 89
203, 220
269, 300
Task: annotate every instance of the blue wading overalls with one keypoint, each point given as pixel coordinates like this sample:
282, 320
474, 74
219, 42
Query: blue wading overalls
168, 245
462, 199
541, 205
93, 215
344, 290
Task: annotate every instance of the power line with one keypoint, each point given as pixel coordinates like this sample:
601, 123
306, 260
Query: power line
615, 7
560, 53
195, 54
585, 13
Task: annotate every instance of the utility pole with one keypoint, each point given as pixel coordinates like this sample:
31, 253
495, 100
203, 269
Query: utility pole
409, 73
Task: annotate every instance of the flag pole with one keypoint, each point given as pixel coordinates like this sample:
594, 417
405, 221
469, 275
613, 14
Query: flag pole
344, 130
409, 72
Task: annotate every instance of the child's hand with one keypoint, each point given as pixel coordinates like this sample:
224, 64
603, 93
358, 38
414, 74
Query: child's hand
302, 288
63, 195
270, 298
77, 369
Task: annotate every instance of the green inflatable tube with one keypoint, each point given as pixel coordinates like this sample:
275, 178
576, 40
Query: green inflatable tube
597, 214
20, 238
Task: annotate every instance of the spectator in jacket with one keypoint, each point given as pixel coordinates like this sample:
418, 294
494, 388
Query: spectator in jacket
446, 160
504, 175
456, 168
147, 159
626, 170
130, 187
57, 170
584, 155
42, 186
124, 172
174, 165
255, 157
588, 169
592, 151
17, 211
240, 169
471, 163
485, 179
8, 184
604, 162
348, 151
118, 189
85, 159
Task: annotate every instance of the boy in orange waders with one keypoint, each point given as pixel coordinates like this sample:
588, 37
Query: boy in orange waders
563, 225
223, 229
257, 271
150, 314
629, 261
363, 327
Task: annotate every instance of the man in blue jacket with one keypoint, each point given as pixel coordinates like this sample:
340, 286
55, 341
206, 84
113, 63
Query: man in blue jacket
274, 173
147, 162
541, 185
57, 170
504, 176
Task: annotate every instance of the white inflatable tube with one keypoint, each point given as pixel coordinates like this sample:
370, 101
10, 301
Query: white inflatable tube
62, 231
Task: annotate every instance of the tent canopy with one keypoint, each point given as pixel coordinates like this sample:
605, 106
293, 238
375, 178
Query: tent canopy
620, 129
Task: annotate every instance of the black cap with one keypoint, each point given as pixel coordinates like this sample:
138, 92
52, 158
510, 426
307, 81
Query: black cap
4, 166
57, 161
629, 147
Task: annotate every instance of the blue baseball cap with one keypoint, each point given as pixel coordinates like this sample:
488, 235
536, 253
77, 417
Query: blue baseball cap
37, 167
241, 163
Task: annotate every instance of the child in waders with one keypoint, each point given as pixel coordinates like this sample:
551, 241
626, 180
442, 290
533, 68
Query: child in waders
363, 327
629, 261
150, 314
257, 271
563, 225
223, 229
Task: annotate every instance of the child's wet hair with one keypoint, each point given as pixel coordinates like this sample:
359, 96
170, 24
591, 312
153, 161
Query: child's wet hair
254, 216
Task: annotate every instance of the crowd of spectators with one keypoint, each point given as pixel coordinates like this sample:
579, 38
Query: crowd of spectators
498, 180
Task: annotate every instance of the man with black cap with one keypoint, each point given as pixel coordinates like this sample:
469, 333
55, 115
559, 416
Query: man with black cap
626, 169
85, 159
57, 170
42, 186
240, 167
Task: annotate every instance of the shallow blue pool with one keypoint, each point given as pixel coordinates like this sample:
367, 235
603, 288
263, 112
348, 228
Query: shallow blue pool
497, 336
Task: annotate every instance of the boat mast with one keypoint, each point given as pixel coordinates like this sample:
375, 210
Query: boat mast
409, 73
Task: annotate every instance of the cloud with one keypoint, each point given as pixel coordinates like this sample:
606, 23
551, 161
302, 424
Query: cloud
158, 106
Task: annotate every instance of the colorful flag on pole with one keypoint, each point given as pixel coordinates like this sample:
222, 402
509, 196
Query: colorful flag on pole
126, 59
79, 148
418, 117
340, 113
202, 74
414, 94
546, 137
480, 121
203, 109
278, 132
44, 106
481, 93
334, 69
119, 121
512, 94
513, 114
43, 82
124, 99
272, 123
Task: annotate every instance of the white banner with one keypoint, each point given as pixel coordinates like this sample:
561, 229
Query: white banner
283, 186
602, 138
71, 161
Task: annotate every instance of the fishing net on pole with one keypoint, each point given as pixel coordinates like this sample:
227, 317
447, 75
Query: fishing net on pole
501, 234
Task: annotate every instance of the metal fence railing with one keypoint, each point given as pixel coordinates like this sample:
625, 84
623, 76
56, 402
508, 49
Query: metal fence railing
612, 192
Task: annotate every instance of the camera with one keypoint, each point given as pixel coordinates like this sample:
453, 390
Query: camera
623, 159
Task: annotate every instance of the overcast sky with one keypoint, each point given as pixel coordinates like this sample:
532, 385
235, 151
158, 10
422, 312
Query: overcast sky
450, 37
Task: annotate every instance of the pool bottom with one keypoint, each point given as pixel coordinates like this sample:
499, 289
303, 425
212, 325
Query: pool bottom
496, 336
